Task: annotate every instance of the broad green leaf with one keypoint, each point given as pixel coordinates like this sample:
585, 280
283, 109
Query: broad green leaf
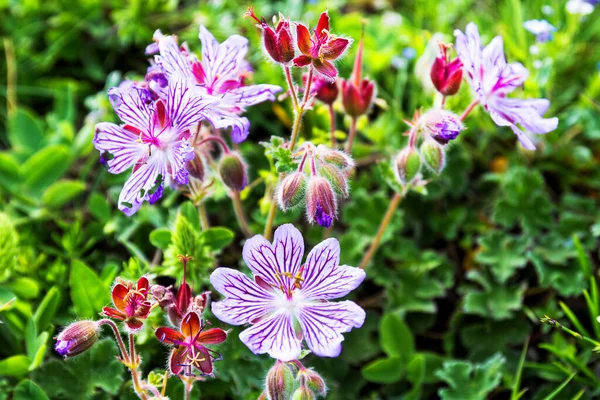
88, 292
27, 390
47, 308
384, 370
495, 301
45, 167
15, 366
395, 337
503, 253
99, 207
217, 238
61, 192
9, 172
160, 238
25, 131
190, 212
470, 381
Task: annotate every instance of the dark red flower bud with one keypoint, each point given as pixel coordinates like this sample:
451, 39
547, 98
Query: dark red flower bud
446, 75
357, 93
278, 42
324, 89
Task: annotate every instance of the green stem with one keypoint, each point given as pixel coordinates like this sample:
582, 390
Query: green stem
270, 219
332, 125
203, 216
382, 227
552, 322
240, 215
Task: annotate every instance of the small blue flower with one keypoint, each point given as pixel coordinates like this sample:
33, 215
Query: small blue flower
409, 53
541, 28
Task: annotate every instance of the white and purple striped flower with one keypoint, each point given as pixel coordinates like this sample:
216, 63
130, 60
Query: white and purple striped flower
492, 79
219, 78
152, 140
288, 302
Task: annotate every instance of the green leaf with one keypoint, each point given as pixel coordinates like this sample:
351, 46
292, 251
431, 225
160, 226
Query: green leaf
395, 337
45, 167
61, 192
78, 377
9, 172
495, 301
25, 131
99, 207
384, 370
15, 366
27, 390
190, 212
560, 388
47, 308
503, 253
88, 292
516, 394
470, 381
217, 238
160, 238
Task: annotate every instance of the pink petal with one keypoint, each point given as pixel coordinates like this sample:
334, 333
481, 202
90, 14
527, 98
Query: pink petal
323, 325
324, 278
245, 301
322, 30
302, 61
274, 335
178, 360
333, 49
326, 68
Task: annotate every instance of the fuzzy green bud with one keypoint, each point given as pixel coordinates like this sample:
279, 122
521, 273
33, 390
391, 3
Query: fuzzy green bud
303, 393
76, 338
291, 190
313, 381
280, 382
233, 171
336, 178
335, 157
408, 163
434, 155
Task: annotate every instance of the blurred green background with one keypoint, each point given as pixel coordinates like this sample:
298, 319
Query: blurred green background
464, 273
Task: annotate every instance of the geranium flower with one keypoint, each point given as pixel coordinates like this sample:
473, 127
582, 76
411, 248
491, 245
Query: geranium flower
288, 302
492, 79
153, 140
189, 345
219, 78
131, 303
320, 49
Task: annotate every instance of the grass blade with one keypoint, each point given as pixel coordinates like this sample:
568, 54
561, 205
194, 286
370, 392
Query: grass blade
560, 388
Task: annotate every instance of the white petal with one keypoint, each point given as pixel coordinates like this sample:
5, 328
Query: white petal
121, 144
274, 335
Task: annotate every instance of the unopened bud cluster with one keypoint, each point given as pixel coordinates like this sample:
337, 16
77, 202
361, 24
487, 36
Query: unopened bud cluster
436, 129
285, 381
321, 177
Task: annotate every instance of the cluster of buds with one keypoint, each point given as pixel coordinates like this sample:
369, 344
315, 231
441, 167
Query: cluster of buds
358, 93
302, 49
321, 176
436, 128
446, 75
292, 381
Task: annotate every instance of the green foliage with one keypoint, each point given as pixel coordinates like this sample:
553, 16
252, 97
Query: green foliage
470, 381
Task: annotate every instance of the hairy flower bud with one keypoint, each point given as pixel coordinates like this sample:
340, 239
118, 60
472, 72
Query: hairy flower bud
76, 338
335, 157
291, 190
357, 98
335, 177
321, 206
442, 126
408, 163
303, 393
324, 89
280, 382
434, 155
233, 171
278, 42
196, 167
313, 381
446, 75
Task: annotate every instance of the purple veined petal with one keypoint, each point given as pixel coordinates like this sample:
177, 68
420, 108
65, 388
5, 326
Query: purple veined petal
184, 106
493, 64
324, 278
524, 138
244, 302
134, 106
222, 62
171, 60
525, 112
468, 48
123, 145
221, 119
274, 335
141, 183
180, 153
323, 324
273, 261
255, 94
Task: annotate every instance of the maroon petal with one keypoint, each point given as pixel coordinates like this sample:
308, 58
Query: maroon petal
326, 69
142, 283
184, 296
270, 42
302, 61
161, 120
333, 49
303, 38
285, 43
178, 360
134, 324
190, 325
203, 360
119, 294
112, 313
212, 336
168, 335
322, 30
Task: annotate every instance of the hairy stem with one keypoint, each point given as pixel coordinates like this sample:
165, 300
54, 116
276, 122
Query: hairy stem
215, 139
270, 218
120, 343
203, 216
469, 109
381, 230
332, 125
133, 367
351, 135
240, 215
290, 82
